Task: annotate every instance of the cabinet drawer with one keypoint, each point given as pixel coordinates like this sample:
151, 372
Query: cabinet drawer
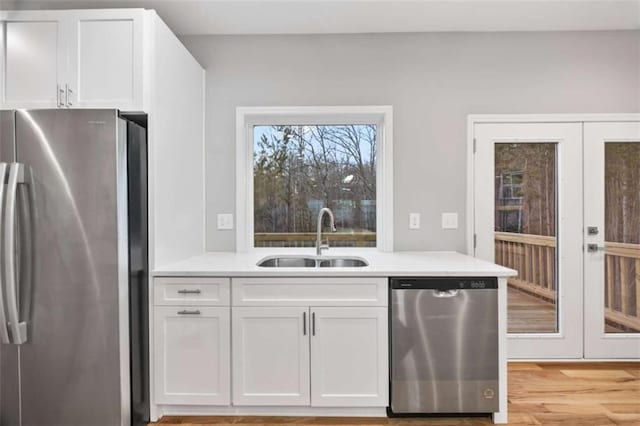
179, 291
310, 291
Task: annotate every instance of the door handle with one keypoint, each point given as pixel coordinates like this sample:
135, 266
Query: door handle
304, 323
18, 329
313, 323
69, 91
594, 248
185, 291
4, 333
60, 95
187, 312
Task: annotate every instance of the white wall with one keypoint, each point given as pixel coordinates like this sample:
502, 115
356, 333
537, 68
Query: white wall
432, 80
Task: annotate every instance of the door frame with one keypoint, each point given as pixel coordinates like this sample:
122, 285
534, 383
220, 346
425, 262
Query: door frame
474, 119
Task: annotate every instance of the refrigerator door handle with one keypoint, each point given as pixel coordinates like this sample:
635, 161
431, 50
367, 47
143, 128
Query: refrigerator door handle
4, 334
18, 329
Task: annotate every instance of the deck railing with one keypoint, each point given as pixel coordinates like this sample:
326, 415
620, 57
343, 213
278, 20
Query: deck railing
533, 256
622, 290
308, 239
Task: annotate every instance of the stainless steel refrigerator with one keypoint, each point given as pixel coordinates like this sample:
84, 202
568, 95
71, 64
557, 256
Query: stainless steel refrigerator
73, 268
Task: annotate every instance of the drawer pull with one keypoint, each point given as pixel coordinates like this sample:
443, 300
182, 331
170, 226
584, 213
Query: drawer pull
185, 312
185, 291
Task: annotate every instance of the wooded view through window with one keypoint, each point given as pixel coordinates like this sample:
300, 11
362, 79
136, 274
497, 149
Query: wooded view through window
299, 169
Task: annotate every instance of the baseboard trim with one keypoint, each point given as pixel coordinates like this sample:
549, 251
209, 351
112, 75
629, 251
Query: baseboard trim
206, 410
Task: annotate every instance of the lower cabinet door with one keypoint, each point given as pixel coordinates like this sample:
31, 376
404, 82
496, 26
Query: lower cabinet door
192, 350
270, 356
349, 357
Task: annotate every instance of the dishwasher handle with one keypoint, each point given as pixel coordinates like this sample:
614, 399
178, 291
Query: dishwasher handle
445, 293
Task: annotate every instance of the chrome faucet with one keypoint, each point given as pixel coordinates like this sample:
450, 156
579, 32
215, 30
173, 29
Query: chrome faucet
319, 245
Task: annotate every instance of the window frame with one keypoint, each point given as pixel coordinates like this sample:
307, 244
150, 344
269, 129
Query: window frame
247, 117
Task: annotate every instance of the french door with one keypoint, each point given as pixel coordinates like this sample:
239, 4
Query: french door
527, 208
612, 240
560, 203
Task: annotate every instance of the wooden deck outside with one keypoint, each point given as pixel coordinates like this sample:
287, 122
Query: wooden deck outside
534, 257
529, 314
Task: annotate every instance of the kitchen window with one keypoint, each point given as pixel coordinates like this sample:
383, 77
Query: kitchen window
292, 162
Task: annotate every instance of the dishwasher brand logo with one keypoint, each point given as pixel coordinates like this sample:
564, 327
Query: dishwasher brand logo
477, 284
488, 393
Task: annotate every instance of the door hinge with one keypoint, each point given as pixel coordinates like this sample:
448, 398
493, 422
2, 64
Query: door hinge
474, 145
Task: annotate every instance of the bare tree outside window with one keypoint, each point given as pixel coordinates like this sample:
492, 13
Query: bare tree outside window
299, 169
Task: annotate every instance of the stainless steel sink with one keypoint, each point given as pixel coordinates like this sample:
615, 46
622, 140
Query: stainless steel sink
344, 262
288, 262
312, 262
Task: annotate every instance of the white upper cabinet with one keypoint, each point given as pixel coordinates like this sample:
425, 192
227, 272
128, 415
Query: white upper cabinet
105, 59
349, 357
34, 59
74, 59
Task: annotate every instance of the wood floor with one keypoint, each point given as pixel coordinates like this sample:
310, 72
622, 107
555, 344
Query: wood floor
580, 394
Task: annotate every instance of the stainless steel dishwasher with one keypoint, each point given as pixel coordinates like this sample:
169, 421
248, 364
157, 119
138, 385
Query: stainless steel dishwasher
444, 345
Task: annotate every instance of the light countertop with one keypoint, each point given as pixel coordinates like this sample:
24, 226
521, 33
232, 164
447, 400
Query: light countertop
230, 264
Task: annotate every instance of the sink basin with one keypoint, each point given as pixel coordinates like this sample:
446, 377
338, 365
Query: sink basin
288, 262
312, 262
342, 262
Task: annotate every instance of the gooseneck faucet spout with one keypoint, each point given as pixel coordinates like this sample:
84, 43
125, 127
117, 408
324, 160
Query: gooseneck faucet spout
319, 245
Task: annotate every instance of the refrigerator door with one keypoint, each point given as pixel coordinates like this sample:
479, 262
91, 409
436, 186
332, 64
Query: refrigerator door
71, 270
138, 273
9, 377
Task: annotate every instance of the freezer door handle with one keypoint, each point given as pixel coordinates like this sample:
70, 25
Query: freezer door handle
4, 334
18, 329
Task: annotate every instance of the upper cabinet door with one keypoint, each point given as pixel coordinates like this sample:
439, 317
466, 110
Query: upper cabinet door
270, 356
34, 59
349, 357
106, 59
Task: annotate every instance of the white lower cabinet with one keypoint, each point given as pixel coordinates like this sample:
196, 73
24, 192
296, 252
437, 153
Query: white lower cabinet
270, 356
349, 354
192, 348
284, 342
322, 357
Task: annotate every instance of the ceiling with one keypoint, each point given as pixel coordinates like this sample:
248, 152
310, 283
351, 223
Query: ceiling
189, 17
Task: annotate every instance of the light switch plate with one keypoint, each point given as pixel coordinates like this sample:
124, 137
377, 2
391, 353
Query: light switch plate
449, 220
414, 220
225, 221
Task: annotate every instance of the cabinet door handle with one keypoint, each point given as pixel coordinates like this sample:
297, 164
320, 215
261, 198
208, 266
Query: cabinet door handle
60, 96
313, 323
186, 312
304, 323
66, 86
185, 291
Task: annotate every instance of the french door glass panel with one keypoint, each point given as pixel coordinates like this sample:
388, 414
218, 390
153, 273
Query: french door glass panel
526, 210
525, 232
612, 236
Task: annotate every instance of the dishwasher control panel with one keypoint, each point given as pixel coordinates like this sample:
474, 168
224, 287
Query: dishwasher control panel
444, 283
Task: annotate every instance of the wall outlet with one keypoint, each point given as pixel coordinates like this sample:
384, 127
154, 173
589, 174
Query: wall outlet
225, 221
414, 220
449, 220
